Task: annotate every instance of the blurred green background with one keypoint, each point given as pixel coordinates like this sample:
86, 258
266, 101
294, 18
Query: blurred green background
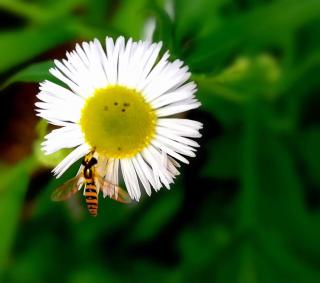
247, 209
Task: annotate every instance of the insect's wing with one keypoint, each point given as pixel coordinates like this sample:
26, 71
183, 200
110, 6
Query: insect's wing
66, 190
113, 191
122, 196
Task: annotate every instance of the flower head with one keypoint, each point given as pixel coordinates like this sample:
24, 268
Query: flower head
120, 102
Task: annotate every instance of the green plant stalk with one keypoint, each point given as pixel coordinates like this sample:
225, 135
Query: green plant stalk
23, 9
15, 182
36, 13
248, 194
212, 85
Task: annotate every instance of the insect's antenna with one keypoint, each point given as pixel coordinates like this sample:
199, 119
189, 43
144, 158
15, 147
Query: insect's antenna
91, 153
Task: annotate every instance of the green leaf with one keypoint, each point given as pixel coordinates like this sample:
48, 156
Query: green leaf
275, 248
282, 187
246, 77
14, 182
196, 258
92, 272
159, 212
271, 198
130, 18
42, 12
164, 28
224, 93
260, 27
281, 200
96, 13
254, 261
20, 46
271, 217
34, 73
257, 75
192, 20
223, 160
309, 151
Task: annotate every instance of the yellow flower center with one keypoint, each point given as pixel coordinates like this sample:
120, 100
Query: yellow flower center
117, 121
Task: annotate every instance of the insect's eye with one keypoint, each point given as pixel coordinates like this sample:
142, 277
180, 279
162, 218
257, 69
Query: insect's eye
92, 162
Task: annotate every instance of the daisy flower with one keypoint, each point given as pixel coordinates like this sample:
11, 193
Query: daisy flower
120, 101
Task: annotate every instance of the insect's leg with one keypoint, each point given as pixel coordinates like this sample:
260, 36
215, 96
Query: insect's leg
80, 182
97, 183
116, 192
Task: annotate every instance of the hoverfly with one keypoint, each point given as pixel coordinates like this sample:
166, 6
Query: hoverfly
92, 182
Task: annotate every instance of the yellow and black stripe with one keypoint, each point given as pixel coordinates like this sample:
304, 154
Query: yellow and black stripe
90, 190
91, 197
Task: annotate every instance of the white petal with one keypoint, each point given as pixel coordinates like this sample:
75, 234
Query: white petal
84, 76
183, 93
142, 175
130, 179
180, 122
155, 183
175, 109
103, 58
167, 161
165, 176
158, 68
170, 134
172, 167
75, 155
149, 28
65, 137
96, 69
155, 49
55, 116
112, 171
82, 55
170, 151
73, 86
137, 62
159, 171
113, 57
115, 175
185, 127
171, 77
50, 89
123, 68
177, 147
66, 71
109, 170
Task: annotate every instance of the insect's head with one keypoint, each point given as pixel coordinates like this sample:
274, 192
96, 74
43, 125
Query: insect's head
89, 160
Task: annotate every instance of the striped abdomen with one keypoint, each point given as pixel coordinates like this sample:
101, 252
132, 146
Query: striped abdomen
91, 197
